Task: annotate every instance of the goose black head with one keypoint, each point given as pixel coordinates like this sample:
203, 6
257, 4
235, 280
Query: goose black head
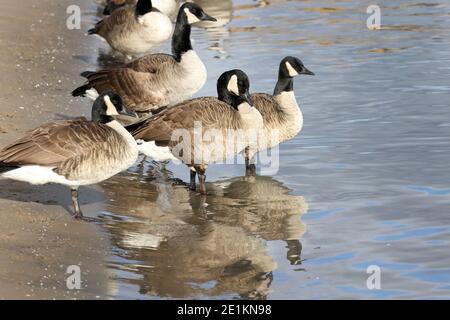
143, 7
233, 87
193, 13
292, 66
108, 106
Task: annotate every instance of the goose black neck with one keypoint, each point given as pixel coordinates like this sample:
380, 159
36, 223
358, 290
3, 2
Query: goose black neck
284, 84
98, 116
229, 99
143, 7
101, 118
181, 40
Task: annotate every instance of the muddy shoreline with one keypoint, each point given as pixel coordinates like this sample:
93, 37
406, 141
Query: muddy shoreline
38, 238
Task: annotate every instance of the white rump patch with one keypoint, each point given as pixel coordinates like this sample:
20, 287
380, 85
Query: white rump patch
291, 70
160, 154
100, 37
233, 85
92, 94
191, 17
111, 110
38, 175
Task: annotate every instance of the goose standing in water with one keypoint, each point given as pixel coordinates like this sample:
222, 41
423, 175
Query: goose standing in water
168, 7
156, 80
231, 111
134, 30
282, 115
73, 152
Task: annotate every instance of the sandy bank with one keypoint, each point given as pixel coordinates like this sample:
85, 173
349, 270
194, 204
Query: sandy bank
38, 238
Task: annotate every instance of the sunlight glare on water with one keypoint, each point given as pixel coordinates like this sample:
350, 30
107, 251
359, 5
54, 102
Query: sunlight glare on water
365, 183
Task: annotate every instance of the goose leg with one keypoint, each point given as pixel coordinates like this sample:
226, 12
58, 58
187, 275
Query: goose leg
201, 171
192, 185
250, 168
247, 157
202, 179
76, 204
142, 164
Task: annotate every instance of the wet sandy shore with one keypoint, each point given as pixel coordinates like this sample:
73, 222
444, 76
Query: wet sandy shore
38, 238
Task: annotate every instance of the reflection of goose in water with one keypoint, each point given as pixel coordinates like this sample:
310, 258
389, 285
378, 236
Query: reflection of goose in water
218, 32
263, 207
178, 251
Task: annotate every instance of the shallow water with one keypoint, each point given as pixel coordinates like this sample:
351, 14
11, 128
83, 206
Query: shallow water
365, 183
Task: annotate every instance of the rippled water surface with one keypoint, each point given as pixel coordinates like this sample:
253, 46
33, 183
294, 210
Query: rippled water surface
365, 183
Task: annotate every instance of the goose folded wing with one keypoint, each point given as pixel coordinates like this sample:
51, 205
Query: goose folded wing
56, 143
131, 85
210, 113
153, 63
119, 17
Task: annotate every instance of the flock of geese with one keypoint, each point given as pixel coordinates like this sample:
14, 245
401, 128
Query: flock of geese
156, 92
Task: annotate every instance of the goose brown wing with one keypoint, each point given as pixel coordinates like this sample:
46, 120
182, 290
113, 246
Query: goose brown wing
153, 63
269, 108
118, 17
210, 112
56, 144
139, 82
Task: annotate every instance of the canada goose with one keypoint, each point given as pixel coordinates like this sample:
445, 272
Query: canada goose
156, 80
282, 116
232, 110
73, 152
134, 30
168, 230
168, 7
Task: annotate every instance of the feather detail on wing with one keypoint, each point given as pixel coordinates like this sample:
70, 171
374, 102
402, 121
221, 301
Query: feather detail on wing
139, 83
63, 145
210, 112
269, 108
118, 17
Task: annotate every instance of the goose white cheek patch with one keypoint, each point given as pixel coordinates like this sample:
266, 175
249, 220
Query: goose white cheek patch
191, 18
111, 109
291, 70
233, 85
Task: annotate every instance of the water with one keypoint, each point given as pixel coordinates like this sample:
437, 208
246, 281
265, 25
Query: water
365, 183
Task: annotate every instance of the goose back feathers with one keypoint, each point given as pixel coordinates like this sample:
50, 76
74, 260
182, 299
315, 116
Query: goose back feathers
157, 80
134, 30
144, 84
228, 122
280, 113
73, 149
168, 7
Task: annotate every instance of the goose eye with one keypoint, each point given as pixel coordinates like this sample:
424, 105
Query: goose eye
194, 11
